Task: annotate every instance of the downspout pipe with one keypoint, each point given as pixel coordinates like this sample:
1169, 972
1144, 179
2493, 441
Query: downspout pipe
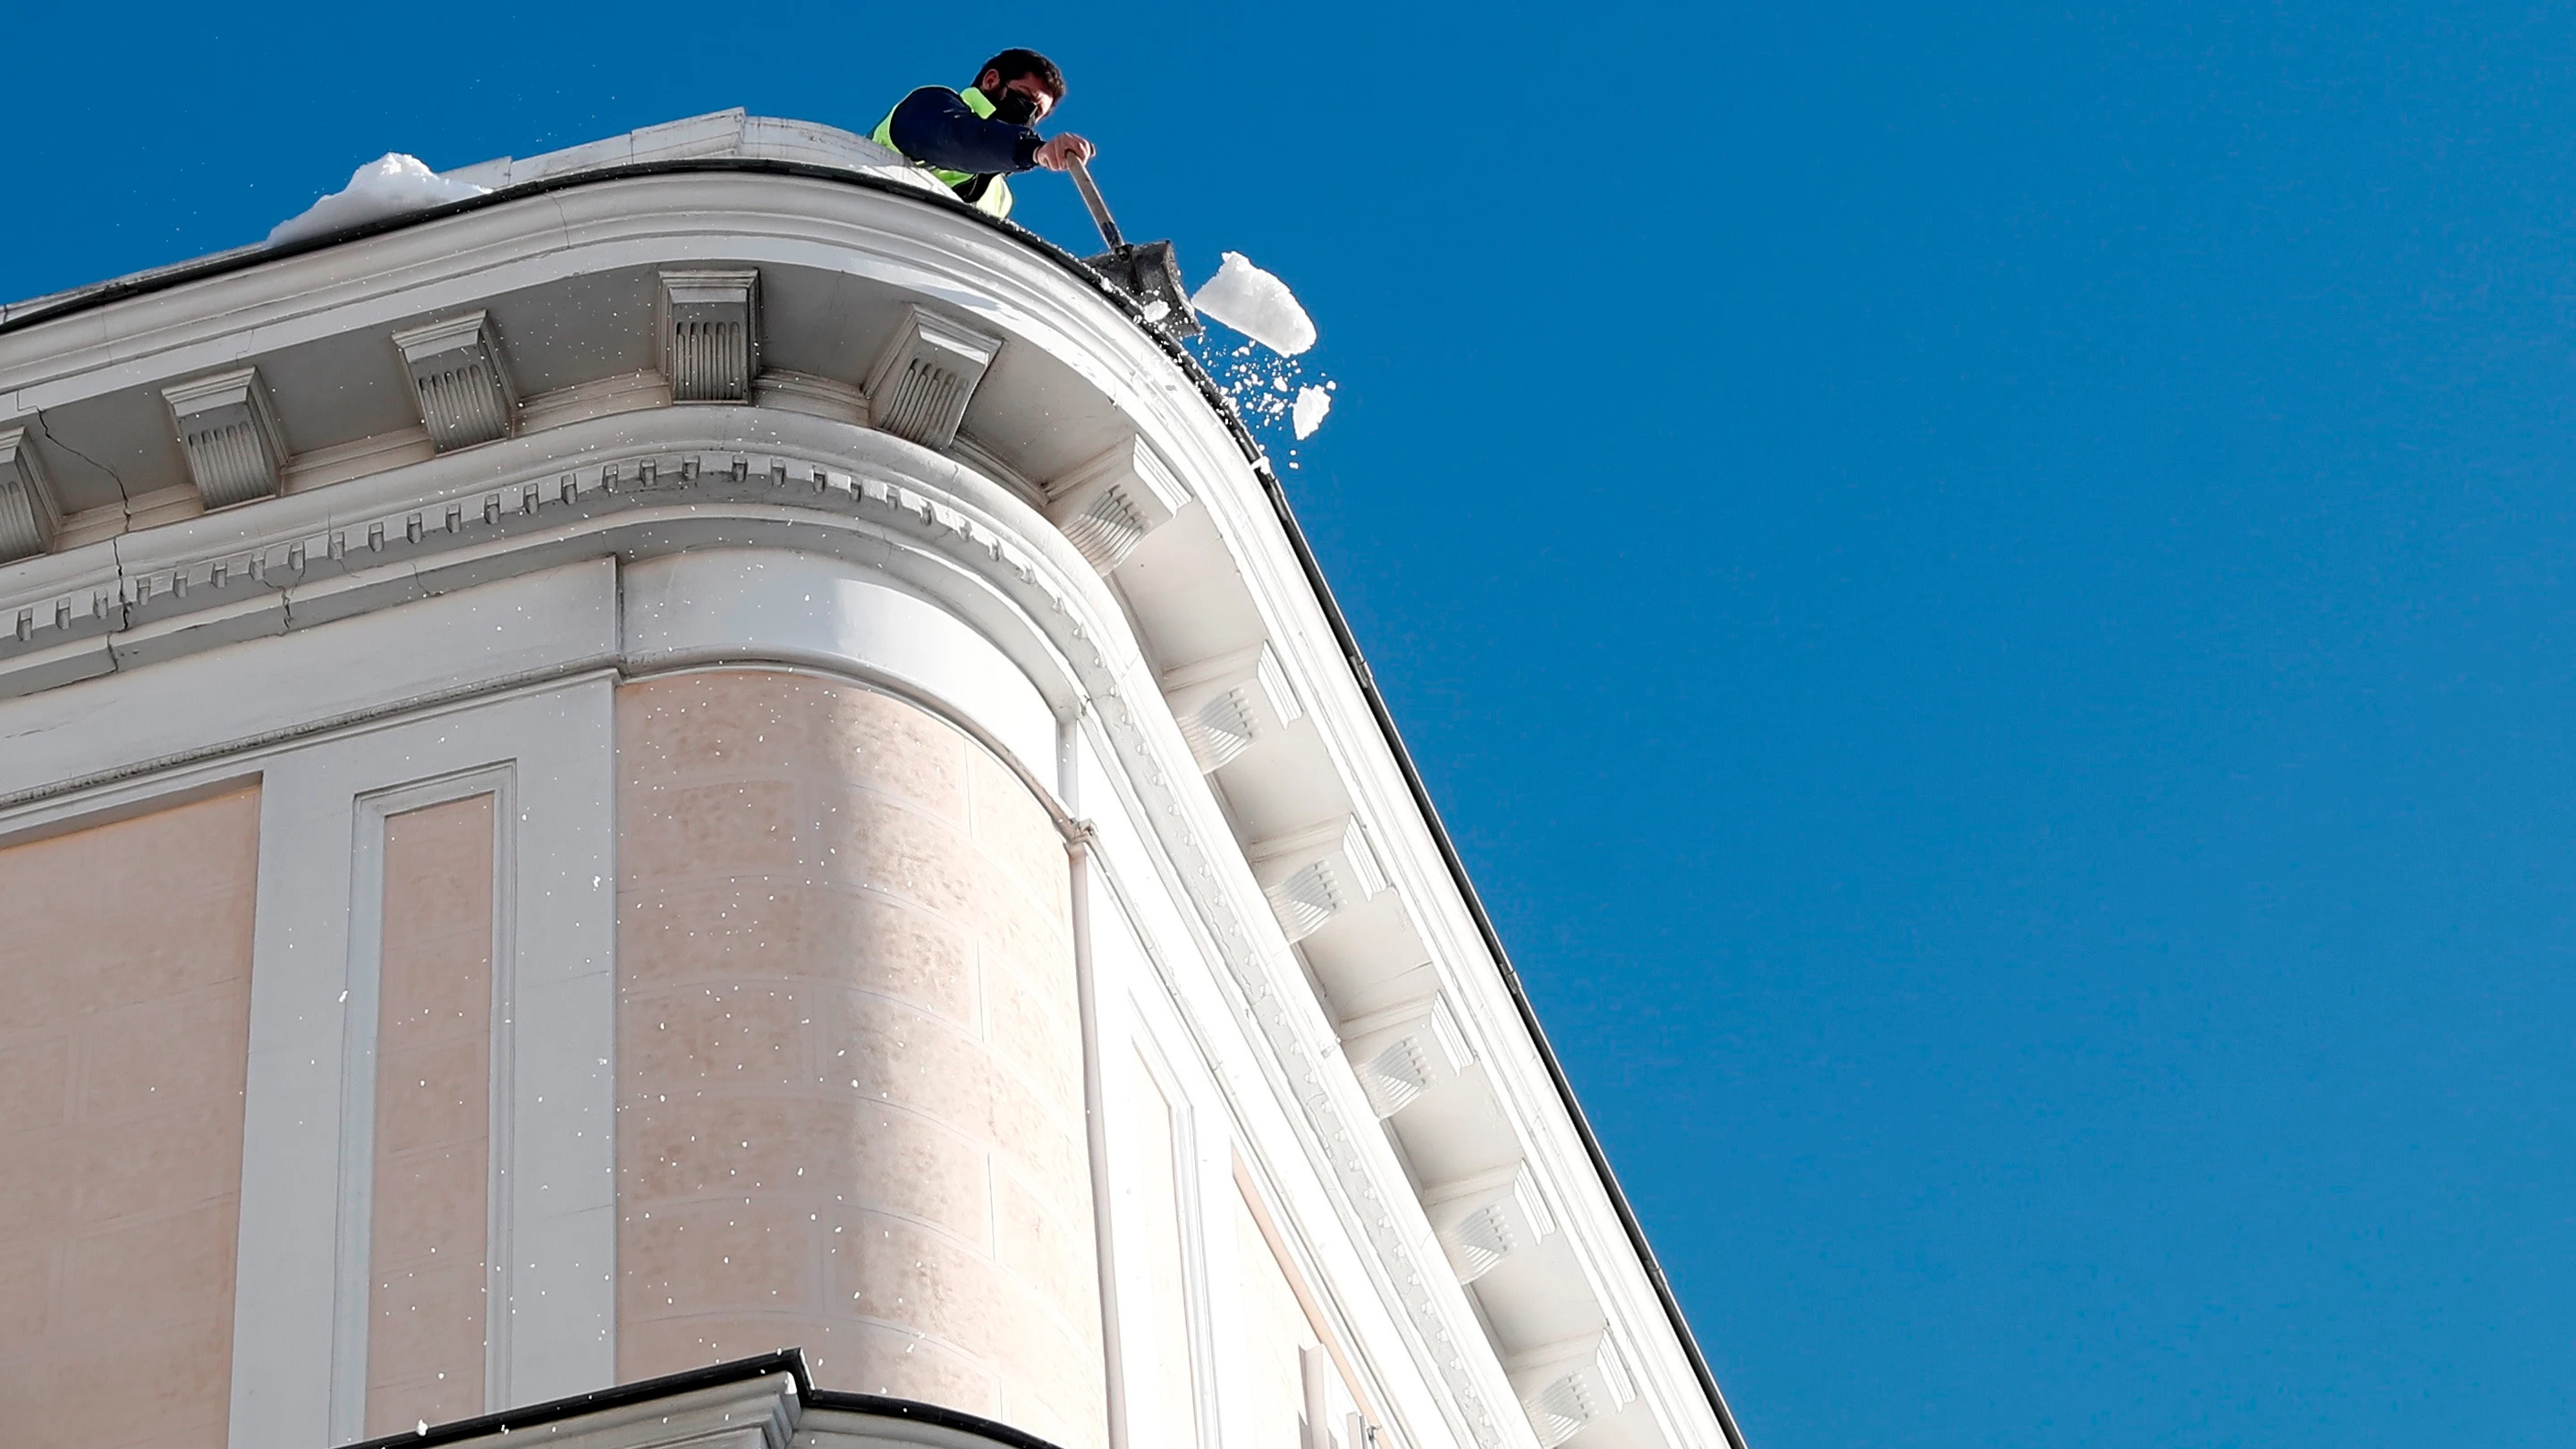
1095, 1106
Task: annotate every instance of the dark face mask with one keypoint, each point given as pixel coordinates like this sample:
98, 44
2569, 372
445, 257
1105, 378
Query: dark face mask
1016, 107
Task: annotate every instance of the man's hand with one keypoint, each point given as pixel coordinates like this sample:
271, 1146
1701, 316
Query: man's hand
1060, 153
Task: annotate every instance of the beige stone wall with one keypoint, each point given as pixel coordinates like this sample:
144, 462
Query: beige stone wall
429, 1248
850, 1061
124, 1037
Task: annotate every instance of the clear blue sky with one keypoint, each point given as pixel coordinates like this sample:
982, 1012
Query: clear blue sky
1987, 591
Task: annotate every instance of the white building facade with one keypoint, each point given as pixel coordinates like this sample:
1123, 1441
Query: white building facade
713, 753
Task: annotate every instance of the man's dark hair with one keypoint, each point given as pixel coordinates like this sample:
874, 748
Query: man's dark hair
1016, 63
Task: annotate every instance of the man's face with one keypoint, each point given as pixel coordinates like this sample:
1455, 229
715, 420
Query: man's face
1037, 99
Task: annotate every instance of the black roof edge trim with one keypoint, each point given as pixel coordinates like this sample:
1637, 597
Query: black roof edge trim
788, 1361
1252, 452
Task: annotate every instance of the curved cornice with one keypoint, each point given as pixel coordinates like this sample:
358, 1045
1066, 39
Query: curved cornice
665, 482
640, 483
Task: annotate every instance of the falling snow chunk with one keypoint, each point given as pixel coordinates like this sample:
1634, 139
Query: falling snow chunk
1308, 415
391, 185
1256, 304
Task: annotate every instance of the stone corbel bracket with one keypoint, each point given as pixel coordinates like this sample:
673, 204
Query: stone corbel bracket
1108, 505
229, 431
1227, 704
1487, 1218
459, 381
926, 376
1569, 1387
711, 334
1402, 1053
1315, 874
29, 517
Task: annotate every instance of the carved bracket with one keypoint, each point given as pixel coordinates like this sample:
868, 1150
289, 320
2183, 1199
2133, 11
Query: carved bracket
1401, 1053
1569, 1387
1226, 704
926, 377
459, 381
28, 513
1108, 505
1487, 1218
1314, 875
229, 430
711, 334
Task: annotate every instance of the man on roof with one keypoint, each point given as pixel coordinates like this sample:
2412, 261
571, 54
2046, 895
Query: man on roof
974, 139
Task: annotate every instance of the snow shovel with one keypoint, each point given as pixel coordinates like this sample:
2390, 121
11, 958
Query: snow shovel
1146, 271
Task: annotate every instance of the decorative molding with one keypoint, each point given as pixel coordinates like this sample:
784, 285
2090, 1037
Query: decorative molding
715, 475
1569, 1387
1315, 874
29, 516
1401, 1053
1484, 1219
360, 1023
625, 392
927, 375
434, 524
711, 334
459, 380
1227, 704
229, 430
816, 397
1109, 504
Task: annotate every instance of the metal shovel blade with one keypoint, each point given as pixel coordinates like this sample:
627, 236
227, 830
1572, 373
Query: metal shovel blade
1148, 272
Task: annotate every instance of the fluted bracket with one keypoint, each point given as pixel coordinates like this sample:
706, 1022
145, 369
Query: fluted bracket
1487, 1218
1227, 704
28, 513
458, 379
229, 431
711, 334
926, 377
1108, 505
1401, 1053
1569, 1387
1314, 875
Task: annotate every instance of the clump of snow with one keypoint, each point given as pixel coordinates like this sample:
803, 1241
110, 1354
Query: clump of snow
1256, 304
1308, 413
390, 185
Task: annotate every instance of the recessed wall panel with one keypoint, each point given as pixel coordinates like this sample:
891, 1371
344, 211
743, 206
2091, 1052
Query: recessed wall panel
429, 1258
125, 954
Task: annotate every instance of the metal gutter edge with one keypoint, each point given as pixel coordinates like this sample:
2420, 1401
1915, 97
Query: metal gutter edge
223, 262
789, 1361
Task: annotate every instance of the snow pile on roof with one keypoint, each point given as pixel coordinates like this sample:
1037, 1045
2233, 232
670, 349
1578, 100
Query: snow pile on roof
1256, 304
390, 185
1307, 414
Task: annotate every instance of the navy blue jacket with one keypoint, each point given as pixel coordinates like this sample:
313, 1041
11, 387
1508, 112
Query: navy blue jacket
934, 127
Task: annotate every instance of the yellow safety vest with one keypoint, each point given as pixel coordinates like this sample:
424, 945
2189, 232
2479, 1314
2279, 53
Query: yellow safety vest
996, 197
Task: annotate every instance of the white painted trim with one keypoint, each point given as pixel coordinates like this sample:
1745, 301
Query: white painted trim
360, 1022
712, 606
300, 1306
545, 624
909, 525
1189, 1207
896, 247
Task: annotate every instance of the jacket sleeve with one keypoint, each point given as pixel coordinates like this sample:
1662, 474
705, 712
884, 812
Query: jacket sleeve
933, 126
